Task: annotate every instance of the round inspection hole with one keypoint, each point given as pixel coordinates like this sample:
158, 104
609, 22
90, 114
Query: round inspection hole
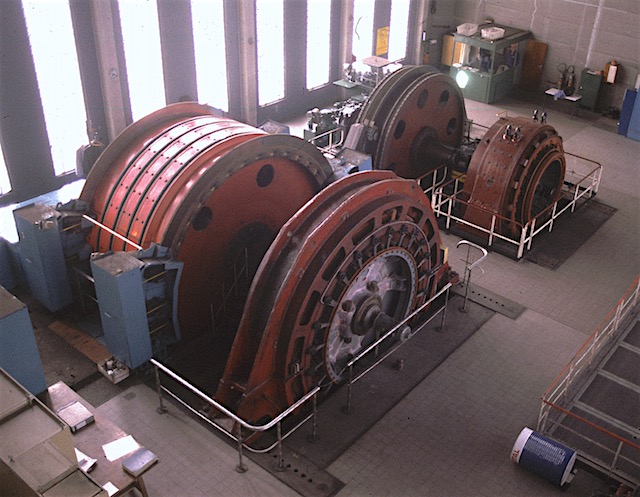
203, 219
399, 131
452, 125
265, 176
444, 98
422, 99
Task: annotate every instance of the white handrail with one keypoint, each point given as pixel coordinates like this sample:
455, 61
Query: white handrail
557, 395
239, 422
443, 205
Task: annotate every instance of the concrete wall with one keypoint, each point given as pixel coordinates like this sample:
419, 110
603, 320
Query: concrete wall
582, 33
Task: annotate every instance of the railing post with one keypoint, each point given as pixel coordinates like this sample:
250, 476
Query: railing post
565, 390
595, 181
616, 456
523, 237
434, 202
161, 409
532, 231
553, 215
491, 230
596, 340
450, 207
347, 408
444, 310
616, 319
314, 420
468, 268
280, 465
541, 418
463, 308
241, 467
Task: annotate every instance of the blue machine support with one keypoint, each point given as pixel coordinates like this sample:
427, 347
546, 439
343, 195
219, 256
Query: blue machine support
137, 295
9, 261
48, 239
41, 255
19, 355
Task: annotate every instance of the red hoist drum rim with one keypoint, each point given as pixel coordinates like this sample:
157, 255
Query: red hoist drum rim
367, 245
406, 105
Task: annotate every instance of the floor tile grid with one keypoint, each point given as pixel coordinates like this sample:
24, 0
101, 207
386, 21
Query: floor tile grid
454, 432
193, 461
583, 290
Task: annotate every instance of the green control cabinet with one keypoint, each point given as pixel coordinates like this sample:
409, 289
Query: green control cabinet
589, 88
491, 67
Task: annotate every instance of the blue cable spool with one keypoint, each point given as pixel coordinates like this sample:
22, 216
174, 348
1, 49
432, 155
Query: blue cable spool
544, 456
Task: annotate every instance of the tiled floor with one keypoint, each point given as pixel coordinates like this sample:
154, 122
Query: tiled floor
453, 433
193, 461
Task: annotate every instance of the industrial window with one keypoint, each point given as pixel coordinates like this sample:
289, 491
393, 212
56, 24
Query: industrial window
56, 64
318, 42
209, 45
363, 29
398, 29
143, 55
270, 41
5, 183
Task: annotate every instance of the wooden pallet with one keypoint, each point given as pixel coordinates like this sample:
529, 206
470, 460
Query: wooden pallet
83, 343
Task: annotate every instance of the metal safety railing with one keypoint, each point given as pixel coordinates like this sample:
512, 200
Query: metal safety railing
434, 179
559, 393
239, 423
335, 138
445, 201
375, 346
585, 356
311, 396
469, 267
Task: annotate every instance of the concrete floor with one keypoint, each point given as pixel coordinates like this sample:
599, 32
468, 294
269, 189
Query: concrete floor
453, 433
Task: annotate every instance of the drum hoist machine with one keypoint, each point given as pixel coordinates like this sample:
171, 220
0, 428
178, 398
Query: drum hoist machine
289, 261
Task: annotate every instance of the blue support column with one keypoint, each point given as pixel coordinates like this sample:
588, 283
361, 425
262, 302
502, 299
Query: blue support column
19, 354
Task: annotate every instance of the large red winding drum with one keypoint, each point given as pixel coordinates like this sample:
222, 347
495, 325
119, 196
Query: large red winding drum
213, 190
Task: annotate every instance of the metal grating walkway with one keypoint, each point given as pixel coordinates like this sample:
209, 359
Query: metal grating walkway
601, 421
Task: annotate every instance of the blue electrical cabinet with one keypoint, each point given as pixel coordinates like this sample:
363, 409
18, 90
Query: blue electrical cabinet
634, 121
19, 354
42, 256
8, 258
626, 110
137, 296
